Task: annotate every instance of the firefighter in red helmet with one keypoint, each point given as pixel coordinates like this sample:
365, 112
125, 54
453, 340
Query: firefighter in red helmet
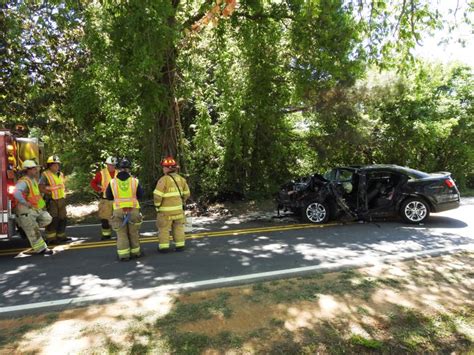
170, 195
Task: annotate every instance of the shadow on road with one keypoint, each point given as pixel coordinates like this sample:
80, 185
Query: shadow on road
79, 273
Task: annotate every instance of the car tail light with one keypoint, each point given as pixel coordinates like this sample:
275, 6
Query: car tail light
449, 183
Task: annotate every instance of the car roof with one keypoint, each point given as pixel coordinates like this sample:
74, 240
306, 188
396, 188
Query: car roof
391, 167
370, 167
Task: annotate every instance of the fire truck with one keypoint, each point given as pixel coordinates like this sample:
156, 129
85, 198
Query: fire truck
14, 150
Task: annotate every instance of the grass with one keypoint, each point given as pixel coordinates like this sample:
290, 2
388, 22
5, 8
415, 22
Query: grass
366, 343
401, 330
187, 312
7, 336
309, 288
417, 331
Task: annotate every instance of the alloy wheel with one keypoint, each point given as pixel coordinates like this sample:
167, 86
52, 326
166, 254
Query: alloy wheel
415, 211
316, 212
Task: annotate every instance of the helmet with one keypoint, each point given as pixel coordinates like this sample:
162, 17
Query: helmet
124, 164
28, 164
168, 162
53, 159
111, 160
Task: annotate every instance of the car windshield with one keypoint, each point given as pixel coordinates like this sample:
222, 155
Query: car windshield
330, 175
345, 175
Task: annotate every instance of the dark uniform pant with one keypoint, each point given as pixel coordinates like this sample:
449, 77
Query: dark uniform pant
56, 230
126, 223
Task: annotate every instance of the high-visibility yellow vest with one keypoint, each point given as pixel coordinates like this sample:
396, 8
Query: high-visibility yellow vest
105, 180
167, 197
34, 194
125, 193
56, 184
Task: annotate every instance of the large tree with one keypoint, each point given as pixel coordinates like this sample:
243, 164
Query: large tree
217, 83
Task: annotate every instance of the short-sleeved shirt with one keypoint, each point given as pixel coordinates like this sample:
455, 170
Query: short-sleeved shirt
21, 188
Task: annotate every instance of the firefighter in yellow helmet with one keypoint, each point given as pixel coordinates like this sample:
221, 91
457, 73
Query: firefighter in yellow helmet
170, 195
52, 185
29, 208
124, 190
99, 183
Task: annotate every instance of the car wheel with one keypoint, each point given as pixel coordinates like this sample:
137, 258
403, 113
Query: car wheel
315, 212
414, 210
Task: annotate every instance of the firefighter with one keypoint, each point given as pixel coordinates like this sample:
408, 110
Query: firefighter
170, 195
29, 209
124, 190
52, 186
99, 183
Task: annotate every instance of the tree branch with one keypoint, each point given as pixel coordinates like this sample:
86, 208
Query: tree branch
262, 16
402, 13
199, 15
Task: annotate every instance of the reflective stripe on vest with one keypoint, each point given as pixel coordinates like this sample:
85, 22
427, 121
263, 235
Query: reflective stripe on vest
125, 193
34, 195
56, 184
105, 180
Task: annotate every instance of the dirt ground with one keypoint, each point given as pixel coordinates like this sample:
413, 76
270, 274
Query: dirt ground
424, 305
87, 212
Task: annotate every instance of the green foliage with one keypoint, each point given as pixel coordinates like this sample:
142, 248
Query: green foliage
424, 120
274, 90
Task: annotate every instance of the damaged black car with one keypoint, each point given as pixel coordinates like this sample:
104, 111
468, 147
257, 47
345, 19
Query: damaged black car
369, 192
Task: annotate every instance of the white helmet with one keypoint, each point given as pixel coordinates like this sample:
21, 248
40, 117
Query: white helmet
28, 164
111, 160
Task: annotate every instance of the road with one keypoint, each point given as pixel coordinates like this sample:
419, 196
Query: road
219, 253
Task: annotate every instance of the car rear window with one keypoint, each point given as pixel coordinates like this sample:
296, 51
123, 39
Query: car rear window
415, 174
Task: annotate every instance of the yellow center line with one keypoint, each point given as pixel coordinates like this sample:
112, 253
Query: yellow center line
154, 239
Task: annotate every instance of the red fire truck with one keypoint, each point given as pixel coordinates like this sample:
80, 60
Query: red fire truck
14, 150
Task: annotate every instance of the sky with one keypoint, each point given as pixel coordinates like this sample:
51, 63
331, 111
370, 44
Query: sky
443, 45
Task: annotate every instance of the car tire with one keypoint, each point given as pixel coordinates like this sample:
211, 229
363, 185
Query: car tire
316, 212
414, 210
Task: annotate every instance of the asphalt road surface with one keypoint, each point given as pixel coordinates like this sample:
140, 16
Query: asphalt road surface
219, 253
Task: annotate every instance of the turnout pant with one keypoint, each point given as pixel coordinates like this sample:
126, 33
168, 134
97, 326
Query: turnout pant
105, 215
56, 230
126, 223
175, 223
31, 220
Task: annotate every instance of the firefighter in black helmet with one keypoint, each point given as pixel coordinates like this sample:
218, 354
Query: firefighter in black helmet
125, 191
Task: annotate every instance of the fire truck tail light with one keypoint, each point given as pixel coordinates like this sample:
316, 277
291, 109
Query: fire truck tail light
11, 189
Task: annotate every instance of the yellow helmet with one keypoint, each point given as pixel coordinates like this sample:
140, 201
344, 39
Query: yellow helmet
28, 164
53, 159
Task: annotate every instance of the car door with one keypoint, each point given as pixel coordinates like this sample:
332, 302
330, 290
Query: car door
382, 191
345, 187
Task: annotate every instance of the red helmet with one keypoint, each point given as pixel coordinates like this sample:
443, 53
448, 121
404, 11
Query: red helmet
169, 162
